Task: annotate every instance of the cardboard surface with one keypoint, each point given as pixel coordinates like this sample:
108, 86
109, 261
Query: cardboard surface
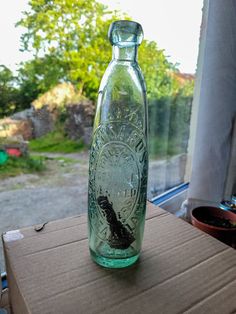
180, 270
4, 301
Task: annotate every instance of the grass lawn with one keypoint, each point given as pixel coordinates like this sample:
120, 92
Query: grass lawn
55, 142
19, 165
33, 164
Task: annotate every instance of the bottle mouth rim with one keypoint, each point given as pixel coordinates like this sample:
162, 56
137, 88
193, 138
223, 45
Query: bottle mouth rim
120, 22
127, 29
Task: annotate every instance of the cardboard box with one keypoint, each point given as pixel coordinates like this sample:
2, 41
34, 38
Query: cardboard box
4, 301
180, 270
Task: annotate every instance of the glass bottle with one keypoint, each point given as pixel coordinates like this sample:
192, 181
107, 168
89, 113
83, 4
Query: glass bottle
118, 167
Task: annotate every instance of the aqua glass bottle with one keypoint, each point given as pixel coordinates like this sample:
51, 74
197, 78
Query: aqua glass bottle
118, 166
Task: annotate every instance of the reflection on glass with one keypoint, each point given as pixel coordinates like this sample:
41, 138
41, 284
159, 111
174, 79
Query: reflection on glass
169, 124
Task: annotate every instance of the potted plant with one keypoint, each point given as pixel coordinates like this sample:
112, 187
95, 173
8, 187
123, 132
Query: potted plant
219, 223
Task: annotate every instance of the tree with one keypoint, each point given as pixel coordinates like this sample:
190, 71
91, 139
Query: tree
157, 70
8, 91
72, 37
69, 40
37, 76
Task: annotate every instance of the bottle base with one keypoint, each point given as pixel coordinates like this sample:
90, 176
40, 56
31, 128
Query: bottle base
113, 262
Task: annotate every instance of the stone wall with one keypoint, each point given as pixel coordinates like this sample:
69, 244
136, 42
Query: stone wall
44, 113
16, 128
79, 121
43, 121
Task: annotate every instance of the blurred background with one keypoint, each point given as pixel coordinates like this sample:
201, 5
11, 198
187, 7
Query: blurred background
52, 58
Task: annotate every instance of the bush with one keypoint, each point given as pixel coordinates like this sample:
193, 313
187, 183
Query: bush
19, 165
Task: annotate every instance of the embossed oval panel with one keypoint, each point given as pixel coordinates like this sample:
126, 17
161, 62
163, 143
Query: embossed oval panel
117, 176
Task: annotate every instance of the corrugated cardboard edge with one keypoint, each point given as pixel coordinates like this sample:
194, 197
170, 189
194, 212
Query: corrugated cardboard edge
14, 291
4, 301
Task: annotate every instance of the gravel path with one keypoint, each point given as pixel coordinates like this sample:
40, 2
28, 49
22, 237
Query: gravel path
59, 192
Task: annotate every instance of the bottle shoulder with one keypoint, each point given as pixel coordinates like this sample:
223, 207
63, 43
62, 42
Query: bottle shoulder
122, 96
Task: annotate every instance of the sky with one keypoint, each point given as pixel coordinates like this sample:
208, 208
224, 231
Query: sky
174, 25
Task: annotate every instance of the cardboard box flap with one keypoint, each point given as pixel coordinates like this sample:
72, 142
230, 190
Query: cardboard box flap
180, 269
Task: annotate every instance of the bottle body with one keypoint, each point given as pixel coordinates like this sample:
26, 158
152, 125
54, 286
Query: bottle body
118, 166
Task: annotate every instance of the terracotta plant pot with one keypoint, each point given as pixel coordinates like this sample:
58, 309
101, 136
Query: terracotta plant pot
201, 216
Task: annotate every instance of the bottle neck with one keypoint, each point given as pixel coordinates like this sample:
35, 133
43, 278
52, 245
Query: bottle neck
125, 53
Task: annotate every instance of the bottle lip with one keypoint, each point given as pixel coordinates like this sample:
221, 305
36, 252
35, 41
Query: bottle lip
125, 33
122, 22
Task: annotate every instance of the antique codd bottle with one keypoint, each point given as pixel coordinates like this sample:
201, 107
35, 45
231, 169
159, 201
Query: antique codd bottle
118, 166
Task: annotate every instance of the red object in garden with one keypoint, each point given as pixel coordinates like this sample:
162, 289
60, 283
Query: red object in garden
14, 152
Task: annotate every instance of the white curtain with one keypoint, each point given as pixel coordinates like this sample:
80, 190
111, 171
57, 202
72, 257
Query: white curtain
213, 160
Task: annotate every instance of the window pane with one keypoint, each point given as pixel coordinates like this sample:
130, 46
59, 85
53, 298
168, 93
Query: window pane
169, 120
175, 27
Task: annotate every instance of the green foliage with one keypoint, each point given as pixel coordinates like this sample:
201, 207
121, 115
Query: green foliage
55, 142
37, 76
19, 165
31, 164
156, 69
8, 91
71, 38
72, 35
169, 122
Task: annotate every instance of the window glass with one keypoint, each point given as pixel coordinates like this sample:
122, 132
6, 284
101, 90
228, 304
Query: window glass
172, 29
169, 122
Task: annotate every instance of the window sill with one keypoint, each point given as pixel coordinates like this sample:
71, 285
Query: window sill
172, 199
